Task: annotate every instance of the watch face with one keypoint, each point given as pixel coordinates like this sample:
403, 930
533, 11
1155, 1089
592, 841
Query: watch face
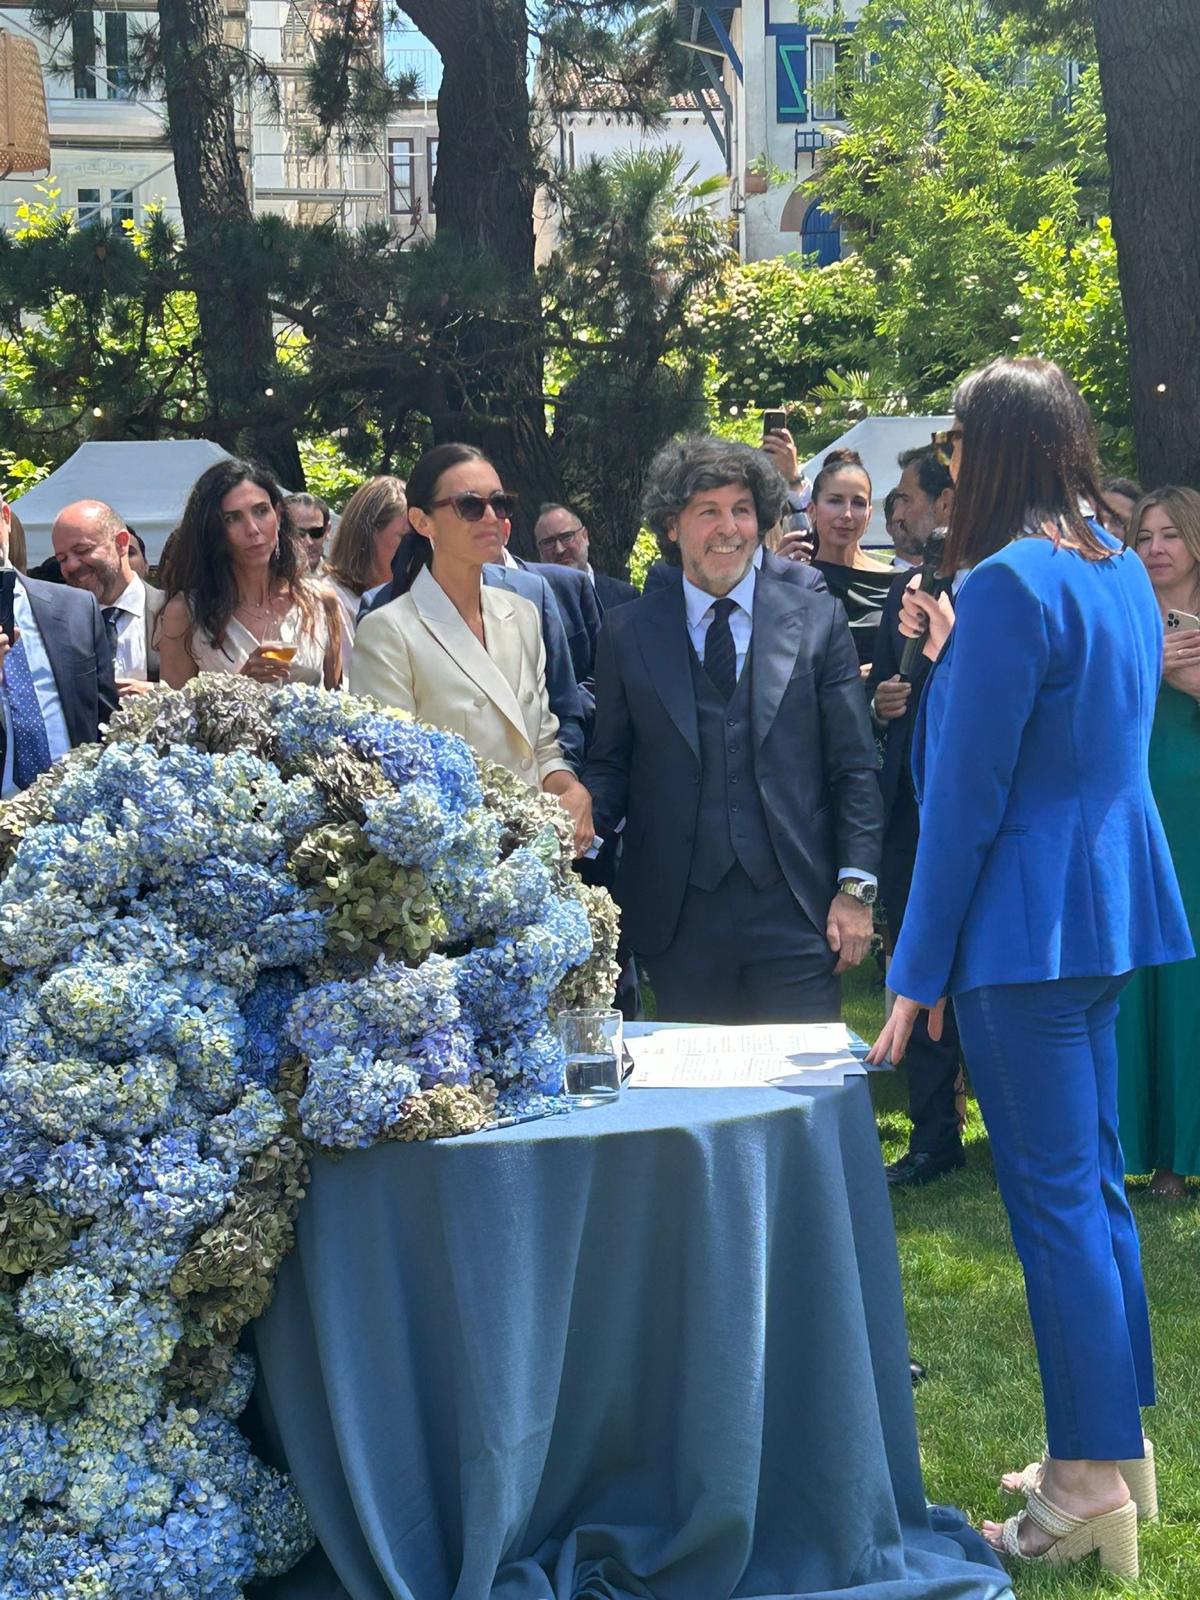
857, 890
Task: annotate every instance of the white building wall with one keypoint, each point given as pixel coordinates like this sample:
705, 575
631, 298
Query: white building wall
109, 145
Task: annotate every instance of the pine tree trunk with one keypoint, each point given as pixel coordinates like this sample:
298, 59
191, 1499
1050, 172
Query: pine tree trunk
1149, 71
234, 313
486, 183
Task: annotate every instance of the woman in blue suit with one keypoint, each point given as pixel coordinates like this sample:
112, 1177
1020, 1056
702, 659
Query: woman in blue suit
1042, 879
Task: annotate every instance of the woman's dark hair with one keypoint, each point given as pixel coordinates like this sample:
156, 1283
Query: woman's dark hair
688, 467
1028, 462
199, 566
415, 550
840, 461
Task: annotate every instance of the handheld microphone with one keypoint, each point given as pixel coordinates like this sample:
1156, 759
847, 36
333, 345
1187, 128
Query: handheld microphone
931, 565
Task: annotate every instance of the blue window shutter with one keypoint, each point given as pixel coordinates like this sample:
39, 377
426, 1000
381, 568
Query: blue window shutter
791, 75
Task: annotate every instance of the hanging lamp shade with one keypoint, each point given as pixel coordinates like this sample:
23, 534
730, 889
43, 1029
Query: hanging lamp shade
24, 129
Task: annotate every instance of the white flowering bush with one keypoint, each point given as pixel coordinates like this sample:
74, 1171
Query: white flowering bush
252, 923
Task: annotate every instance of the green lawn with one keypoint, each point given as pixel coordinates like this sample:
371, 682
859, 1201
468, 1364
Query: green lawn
979, 1412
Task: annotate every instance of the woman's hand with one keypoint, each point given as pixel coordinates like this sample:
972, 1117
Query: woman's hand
577, 803
897, 1030
1181, 661
780, 448
921, 616
262, 669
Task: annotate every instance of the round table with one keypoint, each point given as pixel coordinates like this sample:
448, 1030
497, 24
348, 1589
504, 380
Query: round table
653, 1349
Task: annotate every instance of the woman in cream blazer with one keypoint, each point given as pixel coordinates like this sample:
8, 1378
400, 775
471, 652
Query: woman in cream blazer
456, 653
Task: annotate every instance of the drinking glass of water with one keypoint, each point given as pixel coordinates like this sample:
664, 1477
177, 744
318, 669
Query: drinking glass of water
592, 1041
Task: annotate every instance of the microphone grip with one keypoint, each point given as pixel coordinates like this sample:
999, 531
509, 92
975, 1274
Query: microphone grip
911, 656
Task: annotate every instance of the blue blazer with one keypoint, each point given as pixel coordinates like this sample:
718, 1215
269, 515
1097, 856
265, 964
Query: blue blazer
1041, 851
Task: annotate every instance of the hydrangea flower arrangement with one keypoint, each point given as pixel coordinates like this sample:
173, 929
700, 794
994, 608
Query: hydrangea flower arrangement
252, 923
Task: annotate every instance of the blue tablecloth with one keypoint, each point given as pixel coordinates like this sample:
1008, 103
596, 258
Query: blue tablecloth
655, 1349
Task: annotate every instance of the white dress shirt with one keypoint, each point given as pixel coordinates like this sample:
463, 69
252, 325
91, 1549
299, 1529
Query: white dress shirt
43, 682
130, 659
699, 607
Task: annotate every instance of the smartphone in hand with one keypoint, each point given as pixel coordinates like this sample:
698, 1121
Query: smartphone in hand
8, 586
774, 422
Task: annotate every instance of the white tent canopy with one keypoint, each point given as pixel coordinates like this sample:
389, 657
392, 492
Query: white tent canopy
147, 482
879, 440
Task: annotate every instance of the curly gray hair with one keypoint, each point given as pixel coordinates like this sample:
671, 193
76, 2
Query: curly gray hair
686, 467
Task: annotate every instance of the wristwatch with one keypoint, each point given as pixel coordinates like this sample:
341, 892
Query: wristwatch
865, 893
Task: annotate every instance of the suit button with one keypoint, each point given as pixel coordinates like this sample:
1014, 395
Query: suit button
734, 806
527, 697
731, 722
734, 778
526, 763
479, 701
733, 749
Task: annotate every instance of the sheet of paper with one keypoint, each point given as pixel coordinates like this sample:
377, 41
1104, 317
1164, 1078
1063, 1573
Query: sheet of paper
774, 1055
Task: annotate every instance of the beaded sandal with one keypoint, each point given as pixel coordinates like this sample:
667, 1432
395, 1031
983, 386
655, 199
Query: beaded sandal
1112, 1536
1139, 1475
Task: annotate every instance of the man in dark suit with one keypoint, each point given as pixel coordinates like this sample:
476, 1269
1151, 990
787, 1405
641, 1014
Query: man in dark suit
562, 539
732, 735
924, 501
562, 685
58, 686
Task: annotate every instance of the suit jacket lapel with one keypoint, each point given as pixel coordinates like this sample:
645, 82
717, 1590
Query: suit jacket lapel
778, 634
485, 668
52, 625
663, 638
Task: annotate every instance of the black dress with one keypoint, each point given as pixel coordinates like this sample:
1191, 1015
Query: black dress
862, 591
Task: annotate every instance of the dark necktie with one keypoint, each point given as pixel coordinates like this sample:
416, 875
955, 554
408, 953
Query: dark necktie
720, 652
31, 748
110, 615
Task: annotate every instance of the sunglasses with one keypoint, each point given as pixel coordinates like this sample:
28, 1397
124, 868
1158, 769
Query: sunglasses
944, 442
313, 533
471, 507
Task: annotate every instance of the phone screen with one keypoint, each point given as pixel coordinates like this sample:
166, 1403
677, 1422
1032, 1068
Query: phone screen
773, 421
8, 584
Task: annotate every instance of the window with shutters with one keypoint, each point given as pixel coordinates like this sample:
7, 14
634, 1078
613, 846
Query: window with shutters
83, 55
822, 79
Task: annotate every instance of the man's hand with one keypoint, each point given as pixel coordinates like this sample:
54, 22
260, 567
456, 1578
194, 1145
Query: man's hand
897, 1030
781, 448
891, 699
848, 930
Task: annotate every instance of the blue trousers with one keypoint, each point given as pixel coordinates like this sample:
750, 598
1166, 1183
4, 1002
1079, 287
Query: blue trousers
1044, 1067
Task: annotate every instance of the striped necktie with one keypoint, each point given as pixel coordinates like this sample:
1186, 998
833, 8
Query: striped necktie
720, 652
31, 748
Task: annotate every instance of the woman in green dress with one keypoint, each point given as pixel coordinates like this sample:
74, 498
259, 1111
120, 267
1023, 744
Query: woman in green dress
1159, 1028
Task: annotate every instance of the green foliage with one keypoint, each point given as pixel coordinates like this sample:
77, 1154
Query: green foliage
376, 907
959, 145
327, 472
642, 557
639, 242
1071, 312
774, 328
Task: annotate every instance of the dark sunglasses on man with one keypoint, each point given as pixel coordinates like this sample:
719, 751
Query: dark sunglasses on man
471, 507
944, 442
314, 533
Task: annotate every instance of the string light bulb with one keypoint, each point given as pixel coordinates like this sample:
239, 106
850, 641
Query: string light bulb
97, 411
268, 391
1161, 388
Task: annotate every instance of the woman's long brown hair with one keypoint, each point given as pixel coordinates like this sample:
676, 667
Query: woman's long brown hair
1028, 462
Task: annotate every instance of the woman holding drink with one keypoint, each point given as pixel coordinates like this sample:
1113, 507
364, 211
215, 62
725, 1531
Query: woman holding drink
237, 598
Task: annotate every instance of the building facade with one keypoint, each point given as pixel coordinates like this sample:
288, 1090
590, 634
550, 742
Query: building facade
111, 157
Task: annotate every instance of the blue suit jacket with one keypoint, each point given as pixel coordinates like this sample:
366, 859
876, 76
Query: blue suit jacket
72, 631
562, 688
1041, 852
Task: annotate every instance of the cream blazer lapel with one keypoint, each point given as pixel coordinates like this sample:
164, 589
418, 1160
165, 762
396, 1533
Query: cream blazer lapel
489, 670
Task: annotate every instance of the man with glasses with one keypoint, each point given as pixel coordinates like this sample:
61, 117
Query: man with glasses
310, 518
562, 541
